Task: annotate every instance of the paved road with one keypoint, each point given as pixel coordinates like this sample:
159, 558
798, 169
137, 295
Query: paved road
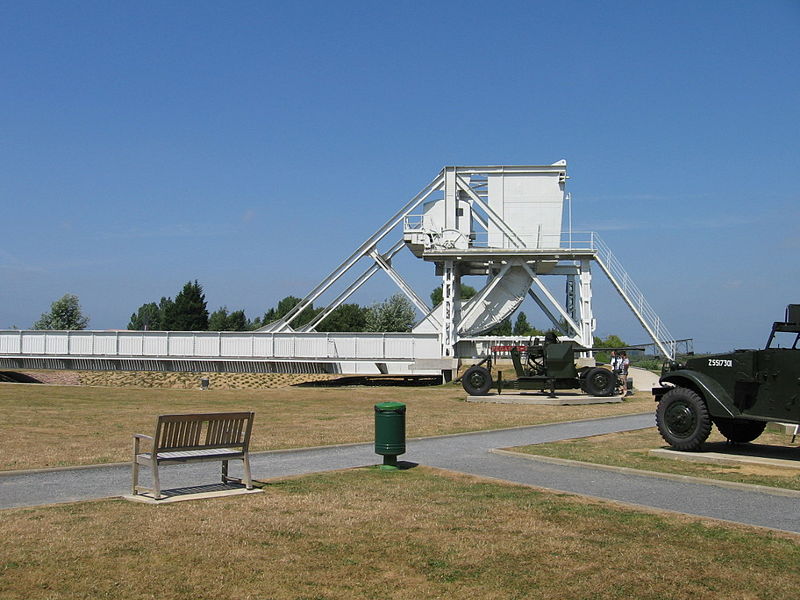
468, 453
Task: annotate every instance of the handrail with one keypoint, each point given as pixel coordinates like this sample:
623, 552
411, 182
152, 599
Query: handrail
566, 240
635, 298
219, 344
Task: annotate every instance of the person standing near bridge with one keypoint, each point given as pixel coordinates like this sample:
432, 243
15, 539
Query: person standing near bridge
623, 364
614, 361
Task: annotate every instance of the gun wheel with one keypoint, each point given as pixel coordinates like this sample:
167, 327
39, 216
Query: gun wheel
683, 419
599, 382
477, 381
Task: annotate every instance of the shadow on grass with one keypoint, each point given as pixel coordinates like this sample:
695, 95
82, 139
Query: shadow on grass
14, 377
376, 381
750, 450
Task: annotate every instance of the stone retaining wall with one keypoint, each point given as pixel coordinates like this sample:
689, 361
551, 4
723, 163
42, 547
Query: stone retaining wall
158, 379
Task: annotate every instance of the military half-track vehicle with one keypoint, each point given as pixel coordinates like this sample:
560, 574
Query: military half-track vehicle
739, 392
543, 366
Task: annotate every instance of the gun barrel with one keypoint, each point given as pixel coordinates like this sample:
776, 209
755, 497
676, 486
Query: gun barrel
626, 348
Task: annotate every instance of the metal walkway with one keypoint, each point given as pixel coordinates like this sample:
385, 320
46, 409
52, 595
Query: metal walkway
212, 351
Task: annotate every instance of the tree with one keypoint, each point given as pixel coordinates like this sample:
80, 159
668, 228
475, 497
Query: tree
523, 327
65, 314
238, 321
503, 329
283, 308
153, 317
467, 292
346, 317
395, 314
188, 312
218, 321
166, 307
147, 318
611, 341
221, 320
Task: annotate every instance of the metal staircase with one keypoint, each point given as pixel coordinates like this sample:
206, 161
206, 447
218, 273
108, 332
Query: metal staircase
634, 298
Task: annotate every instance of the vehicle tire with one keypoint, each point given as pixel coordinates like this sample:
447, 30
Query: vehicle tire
477, 381
599, 382
683, 419
740, 431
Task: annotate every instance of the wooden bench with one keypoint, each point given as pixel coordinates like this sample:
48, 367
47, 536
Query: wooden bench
194, 438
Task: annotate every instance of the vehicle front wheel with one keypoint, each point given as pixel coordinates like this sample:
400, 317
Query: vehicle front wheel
740, 431
683, 419
477, 381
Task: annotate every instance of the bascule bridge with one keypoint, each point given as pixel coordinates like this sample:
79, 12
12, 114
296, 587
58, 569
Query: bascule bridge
504, 224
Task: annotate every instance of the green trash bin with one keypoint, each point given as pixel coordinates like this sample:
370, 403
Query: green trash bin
390, 432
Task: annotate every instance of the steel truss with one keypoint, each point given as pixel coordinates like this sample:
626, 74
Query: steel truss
470, 235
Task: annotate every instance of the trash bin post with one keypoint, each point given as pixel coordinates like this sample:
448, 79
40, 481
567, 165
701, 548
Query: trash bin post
390, 432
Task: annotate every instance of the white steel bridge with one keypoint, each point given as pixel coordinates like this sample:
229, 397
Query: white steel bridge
234, 352
503, 223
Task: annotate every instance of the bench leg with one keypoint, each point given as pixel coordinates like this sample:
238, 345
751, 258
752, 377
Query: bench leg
156, 482
224, 471
135, 475
248, 481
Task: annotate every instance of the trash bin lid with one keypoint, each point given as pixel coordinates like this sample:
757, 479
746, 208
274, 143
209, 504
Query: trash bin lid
389, 406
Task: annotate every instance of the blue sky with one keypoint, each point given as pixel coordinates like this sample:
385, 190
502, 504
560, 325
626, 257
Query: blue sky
254, 145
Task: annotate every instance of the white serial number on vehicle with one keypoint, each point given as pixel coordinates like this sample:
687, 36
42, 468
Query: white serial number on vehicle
719, 362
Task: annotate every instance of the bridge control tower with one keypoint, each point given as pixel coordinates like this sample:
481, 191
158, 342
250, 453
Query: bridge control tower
504, 223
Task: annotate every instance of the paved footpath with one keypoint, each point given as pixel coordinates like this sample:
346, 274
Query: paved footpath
467, 453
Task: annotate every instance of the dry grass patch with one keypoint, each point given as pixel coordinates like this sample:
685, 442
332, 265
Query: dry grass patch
630, 449
371, 534
47, 426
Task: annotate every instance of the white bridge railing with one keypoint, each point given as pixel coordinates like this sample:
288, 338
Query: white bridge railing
230, 345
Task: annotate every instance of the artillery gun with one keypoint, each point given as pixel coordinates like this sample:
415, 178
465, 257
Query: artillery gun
739, 392
544, 366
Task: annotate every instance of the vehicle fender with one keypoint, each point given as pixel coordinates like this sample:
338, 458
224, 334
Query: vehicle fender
719, 402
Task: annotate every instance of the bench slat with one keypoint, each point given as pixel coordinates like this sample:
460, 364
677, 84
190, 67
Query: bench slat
215, 452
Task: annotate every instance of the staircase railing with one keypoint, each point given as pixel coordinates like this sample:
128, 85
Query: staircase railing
619, 277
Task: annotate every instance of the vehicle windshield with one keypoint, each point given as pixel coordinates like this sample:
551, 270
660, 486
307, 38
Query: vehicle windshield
784, 339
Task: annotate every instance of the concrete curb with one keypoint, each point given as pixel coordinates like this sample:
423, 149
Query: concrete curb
544, 400
10, 473
748, 487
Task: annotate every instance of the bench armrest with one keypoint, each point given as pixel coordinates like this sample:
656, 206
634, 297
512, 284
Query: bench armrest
136, 439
